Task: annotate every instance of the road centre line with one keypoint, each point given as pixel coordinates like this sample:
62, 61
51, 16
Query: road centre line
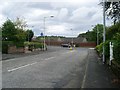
49, 58
91, 48
69, 52
28, 65
21, 67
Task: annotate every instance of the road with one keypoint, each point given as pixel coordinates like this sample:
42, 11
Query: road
56, 68
61, 68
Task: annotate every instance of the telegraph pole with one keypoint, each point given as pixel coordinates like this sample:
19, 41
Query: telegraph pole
103, 31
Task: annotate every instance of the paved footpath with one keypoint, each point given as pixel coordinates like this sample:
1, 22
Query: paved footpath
97, 75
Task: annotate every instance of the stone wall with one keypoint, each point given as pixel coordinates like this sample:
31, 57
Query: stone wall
14, 49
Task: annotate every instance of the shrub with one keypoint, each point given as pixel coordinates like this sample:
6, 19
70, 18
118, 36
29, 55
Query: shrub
99, 48
33, 45
19, 44
116, 51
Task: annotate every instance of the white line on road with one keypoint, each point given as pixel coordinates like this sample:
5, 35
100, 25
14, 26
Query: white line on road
49, 58
21, 67
28, 65
91, 48
69, 52
8, 60
85, 75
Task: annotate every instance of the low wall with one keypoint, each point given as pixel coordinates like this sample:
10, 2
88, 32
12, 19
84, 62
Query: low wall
54, 43
13, 49
88, 44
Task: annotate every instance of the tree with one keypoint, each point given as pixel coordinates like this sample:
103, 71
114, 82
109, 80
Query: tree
112, 31
30, 35
113, 10
20, 23
21, 35
8, 31
91, 36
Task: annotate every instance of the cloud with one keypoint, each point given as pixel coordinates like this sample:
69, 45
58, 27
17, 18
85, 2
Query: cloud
76, 14
63, 14
83, 15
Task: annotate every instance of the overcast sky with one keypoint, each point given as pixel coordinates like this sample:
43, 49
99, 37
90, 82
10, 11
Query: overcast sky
78, 15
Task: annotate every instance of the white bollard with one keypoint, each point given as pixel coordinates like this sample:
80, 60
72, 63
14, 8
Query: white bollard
111, 53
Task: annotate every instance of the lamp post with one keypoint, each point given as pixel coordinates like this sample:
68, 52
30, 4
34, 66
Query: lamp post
45, 28
72, 38
97, 34
104, 31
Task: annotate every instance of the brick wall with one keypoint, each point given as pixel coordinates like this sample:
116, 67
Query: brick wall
13, 49
88, 44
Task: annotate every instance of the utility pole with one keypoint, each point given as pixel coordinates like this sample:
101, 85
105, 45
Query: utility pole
44, 32
45, 29
72, 38
97, 36
103, 31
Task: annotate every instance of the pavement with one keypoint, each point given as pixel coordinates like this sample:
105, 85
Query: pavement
57, 68
97, 74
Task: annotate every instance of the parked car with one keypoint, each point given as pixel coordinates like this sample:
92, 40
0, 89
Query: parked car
65, 45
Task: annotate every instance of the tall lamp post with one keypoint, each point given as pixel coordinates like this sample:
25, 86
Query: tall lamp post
72, 38
45, 29
103, 31
97, 35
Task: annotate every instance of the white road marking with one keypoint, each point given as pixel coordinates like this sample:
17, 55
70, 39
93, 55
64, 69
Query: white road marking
84, 78
21, 67
8, 60
91, 48
69, 52
27, 65
49, 58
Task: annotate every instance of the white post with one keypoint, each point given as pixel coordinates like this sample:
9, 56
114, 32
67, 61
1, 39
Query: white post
111, 52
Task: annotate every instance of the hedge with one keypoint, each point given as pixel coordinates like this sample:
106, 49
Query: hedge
116, 51
99, 48
5, 45
33, 45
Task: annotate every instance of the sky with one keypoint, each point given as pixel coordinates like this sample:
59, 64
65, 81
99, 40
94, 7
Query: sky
71, 17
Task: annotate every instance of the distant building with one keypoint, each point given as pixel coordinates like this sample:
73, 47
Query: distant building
78, 41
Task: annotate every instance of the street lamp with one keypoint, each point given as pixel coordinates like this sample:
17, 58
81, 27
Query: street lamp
104, 31
45, 28
72, 38
97, 34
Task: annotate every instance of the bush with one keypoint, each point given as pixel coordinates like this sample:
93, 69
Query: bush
33, 45
99, 49
116, 51
19, 44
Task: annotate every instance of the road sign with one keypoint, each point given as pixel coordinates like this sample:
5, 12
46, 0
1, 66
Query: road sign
41, 34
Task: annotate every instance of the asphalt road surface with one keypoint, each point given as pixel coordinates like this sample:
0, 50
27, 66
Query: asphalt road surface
56, 68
